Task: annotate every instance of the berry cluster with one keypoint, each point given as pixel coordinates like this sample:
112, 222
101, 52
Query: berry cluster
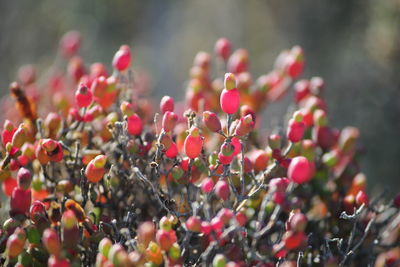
103, 178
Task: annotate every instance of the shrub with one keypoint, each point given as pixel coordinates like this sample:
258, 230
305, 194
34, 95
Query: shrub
104, 179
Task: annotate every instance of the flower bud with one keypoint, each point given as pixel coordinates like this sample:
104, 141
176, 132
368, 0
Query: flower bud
94, 171
163, 239
167, 104
19, 136
230, 81
126, 108
76, 208
37, 212
274, 141
320, 118
122, 59
211, 121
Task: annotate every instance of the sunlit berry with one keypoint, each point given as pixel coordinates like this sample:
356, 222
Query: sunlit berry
300, 170
122, 58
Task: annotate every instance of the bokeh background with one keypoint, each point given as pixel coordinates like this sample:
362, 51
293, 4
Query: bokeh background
353, 45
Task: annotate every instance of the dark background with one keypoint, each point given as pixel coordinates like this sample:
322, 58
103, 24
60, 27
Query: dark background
353, 45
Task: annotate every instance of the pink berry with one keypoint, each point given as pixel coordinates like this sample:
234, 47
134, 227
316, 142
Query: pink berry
295, 131
225, 215
241, 218
193, 224
300, 170
224, 160
230, 101
207, 185
83, 96
206, 228
135, 125
223, 48
70, 43
172, 151
211, 121
217, 223
167, 104
222, 189
20, 201
122, 59
169, 121
301, 90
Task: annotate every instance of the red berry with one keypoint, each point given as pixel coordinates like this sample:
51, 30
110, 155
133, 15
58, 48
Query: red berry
70, 43
122, 59
172, 151
217, 223
193, 224
211, 121
193, 143
135, 125
163, 238
245, 125
362, 198
301, 90
37, 211
167, 104
230, 101
207, 185
51, 242
225, 215
294, 240
241, 218
222, 189
224, 160
295, 131
169, 121
83, 96
57, 262
206, 228
24, 178
297, 222
223, 48
300, 170
20, 201
8, 186
237, 145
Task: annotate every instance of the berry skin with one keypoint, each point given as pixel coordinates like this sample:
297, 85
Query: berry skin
24, 178
300, 170
135, 125
293, 240
57, 262
167, 104
193, 143
122, 59
164, 240
230, 101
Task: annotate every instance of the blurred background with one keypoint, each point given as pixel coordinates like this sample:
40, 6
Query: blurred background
353, 45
